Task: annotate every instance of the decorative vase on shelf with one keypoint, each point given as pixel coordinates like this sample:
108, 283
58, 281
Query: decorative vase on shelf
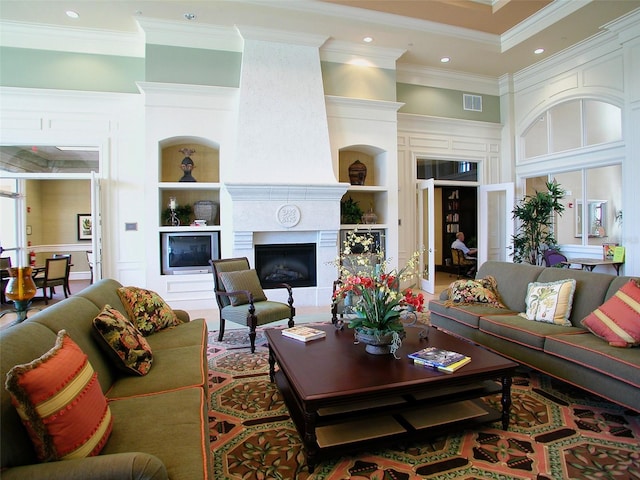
357, 173
370, 217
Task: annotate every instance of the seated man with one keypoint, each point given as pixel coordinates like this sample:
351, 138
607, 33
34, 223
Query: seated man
469, 253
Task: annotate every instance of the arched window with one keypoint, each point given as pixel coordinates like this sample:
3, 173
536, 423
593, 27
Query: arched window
571, 125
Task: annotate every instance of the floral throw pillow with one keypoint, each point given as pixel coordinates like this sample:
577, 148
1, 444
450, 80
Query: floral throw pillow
147, 310
122, 341
550, 302
484, 290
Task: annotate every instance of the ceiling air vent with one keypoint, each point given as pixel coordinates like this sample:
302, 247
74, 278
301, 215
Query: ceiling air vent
472, 102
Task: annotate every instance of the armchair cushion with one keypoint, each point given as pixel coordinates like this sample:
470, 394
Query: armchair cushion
147, 310
122, 342
617, 320
243, 280
60, 402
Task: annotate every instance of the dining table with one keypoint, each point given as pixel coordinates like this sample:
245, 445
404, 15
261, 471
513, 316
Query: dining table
591, 263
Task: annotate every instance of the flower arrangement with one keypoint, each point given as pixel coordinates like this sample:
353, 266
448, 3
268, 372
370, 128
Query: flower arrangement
374, 292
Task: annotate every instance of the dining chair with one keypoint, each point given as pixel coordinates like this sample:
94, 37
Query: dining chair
553, 258
462, 263
56, 273
5, 265
90, 260
66, 282
241, 299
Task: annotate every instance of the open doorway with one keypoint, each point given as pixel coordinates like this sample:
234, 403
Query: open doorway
56, 196
447, 204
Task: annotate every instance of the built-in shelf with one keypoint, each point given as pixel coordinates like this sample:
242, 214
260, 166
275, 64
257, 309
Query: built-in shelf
207, 186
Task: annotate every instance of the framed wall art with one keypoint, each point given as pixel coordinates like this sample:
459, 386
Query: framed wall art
85, 226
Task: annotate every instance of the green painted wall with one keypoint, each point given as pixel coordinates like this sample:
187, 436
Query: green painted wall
29, 68
354, 81
193, 66
441, 102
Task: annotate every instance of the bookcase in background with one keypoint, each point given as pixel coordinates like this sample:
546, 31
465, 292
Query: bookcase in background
459, 214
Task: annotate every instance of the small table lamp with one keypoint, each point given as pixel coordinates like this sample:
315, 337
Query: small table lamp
21, 289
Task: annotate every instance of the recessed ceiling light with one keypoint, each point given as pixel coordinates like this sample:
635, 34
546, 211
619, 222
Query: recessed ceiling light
190, 16
72, 14
538, 51
367, 39
445, 59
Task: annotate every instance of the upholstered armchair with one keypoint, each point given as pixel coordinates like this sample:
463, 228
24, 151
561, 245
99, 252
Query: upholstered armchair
241, 299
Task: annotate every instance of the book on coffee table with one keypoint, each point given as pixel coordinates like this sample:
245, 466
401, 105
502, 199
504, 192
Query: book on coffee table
302, 333
436, 357
455, 366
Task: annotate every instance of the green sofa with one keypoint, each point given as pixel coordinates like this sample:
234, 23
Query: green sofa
572, 354
160, 420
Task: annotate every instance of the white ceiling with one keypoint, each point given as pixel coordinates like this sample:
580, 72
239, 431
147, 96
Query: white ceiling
554, 27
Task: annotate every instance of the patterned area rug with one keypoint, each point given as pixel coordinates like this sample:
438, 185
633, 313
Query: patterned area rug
556, 432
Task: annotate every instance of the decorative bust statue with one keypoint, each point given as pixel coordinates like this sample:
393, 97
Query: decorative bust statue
187, 165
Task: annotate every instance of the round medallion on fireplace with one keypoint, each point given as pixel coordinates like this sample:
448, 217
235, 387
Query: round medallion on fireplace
288, 215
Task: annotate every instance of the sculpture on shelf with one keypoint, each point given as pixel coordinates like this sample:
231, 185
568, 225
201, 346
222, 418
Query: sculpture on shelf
187, 165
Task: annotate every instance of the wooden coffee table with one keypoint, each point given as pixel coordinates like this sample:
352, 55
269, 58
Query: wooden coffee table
342, 398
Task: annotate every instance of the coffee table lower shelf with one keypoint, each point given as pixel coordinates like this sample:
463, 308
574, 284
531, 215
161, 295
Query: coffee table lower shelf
383, 421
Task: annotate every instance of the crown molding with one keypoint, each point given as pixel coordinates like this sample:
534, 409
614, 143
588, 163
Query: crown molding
552, 13
383, 19
626, 27
190, 35
599, 45
281, 36
449, 79
346, 52
66, 39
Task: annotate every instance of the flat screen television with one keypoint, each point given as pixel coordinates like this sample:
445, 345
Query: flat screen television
188, 252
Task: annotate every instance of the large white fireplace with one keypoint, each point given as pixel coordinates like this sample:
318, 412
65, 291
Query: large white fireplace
282, 186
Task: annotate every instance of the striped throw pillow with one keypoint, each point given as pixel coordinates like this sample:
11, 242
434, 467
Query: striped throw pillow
60, 402
242, 280
617, 320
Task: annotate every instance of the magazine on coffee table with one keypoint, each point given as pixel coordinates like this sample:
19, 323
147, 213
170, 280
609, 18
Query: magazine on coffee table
304, 334
436, 357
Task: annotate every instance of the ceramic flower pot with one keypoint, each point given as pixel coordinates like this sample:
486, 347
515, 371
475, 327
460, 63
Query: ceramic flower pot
379, 342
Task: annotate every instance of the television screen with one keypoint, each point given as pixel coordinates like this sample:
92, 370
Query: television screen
187, 252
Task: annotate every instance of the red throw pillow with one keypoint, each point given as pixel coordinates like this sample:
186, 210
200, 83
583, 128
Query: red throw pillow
60, 402
618, 319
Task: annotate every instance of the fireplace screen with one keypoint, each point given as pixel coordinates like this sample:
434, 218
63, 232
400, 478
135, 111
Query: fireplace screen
293, 263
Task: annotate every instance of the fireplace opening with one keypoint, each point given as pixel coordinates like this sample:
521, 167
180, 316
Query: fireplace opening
292, 263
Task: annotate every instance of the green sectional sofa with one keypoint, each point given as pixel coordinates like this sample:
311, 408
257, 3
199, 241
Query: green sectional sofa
570, 353
160, 420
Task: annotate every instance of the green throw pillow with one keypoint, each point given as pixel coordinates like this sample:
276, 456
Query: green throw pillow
122, 342
242, 280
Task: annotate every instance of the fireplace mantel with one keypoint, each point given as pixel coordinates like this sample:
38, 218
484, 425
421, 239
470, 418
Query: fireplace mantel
286, 192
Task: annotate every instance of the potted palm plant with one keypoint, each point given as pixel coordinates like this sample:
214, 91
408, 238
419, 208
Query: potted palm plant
534, 233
